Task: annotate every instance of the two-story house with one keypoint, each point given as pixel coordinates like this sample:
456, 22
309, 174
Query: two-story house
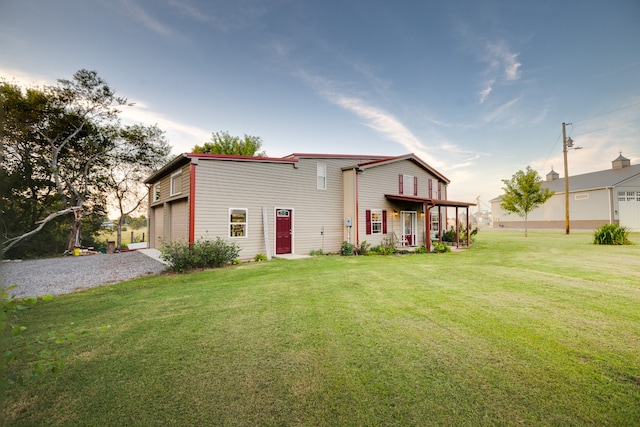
298, 203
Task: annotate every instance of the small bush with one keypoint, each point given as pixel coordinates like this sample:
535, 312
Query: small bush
315, 252
421, 250
363, 249
201, 254
611, 234
441, 248
260, 257
449, 235
347, 248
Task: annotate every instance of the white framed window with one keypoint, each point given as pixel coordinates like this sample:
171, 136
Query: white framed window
376, 221
238, 222
322, 176
176, 184
408, 185
156, 191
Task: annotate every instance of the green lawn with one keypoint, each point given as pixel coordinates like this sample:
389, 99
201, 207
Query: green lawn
543, 330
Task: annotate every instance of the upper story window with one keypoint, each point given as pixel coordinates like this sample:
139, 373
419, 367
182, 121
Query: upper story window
322, 176
237, 222
408, 185
176, 184
156, 191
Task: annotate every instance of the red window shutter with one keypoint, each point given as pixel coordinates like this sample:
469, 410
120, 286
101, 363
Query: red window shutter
415, 185
384, 222
439, 190
430, 188
400, 184
368, 212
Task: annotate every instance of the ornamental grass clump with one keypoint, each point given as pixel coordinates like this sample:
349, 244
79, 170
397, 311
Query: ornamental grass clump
182, 256
611, 234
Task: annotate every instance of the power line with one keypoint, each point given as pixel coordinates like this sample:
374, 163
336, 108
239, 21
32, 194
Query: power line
608, 127
608, 112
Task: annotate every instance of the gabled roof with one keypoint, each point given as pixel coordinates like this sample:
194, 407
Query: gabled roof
362, 161
412, 157
589, 181
184, 158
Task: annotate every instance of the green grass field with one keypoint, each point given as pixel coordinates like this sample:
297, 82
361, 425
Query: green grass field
512, 331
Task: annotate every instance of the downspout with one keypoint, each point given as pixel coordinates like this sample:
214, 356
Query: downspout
192, 202
355, 220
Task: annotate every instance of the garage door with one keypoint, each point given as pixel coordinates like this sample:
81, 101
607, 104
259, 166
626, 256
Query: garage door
629, 209
180, 221
158, 226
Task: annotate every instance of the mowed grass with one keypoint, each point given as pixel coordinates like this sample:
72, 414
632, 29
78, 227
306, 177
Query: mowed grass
543, 330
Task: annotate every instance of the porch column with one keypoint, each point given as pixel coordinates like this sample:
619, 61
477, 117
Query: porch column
457, 230
427, 226
467, 226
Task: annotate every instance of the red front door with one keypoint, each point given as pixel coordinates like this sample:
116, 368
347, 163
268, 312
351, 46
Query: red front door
284, 231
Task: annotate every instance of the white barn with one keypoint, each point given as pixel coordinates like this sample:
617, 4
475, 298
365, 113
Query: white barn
610, 196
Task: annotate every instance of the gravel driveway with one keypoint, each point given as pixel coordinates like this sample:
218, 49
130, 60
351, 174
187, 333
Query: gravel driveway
68, 274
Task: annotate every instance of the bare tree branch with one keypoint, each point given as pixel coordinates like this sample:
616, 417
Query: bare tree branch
9, 243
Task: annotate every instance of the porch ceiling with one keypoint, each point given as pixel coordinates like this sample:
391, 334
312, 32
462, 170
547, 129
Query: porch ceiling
428, 201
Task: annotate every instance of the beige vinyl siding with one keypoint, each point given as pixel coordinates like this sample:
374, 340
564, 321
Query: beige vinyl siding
349, 177
380, 180
251, 185
165, 185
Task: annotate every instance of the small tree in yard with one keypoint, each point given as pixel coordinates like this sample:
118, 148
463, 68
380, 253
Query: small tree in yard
524, 193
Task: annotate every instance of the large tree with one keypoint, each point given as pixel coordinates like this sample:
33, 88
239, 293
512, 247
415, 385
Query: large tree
223, 143
59, 145
139, 151
524, 193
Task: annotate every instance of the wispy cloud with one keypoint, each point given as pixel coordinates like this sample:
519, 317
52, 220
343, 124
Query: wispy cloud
181, 136
503, 65
137, 13
383, 122
190, 11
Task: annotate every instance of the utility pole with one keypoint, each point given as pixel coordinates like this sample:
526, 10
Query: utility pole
566, 177
567, 143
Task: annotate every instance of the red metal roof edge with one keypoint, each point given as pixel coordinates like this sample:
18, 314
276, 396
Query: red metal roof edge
436, 202
336, 156
240, 158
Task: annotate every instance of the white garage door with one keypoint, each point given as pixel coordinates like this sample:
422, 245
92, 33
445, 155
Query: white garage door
629, 209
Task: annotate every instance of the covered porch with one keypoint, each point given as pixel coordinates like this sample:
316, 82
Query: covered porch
411, 209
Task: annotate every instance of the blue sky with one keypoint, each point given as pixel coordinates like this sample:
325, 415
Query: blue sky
477, 89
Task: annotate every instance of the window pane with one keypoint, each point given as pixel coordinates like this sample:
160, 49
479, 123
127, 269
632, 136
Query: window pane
322, 176
238, 223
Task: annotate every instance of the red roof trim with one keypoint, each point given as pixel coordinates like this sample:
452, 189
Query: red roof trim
335, 156
428, 201
240, 158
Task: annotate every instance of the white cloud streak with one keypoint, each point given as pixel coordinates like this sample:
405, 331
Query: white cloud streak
135, 12
503, 65
376, 118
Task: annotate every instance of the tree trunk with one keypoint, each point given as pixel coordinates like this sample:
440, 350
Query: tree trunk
75, 231
119, 232
526, 234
